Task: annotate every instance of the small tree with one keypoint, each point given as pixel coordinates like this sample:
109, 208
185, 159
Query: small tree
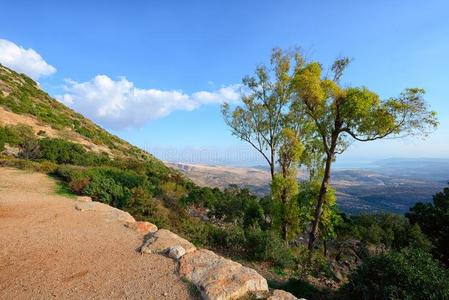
265, 111
342, 114
285, 186
268, 121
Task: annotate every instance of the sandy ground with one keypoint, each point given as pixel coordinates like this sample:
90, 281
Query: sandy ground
50, 250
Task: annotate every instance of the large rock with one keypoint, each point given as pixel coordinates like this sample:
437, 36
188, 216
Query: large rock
142, 227
110, 213
218, 278
163, 240
282, 295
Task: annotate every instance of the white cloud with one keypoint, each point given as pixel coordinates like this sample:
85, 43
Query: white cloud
119, 104
23, 60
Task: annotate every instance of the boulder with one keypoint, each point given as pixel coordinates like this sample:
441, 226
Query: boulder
282, 295
218, 278
142, 227
176, 252
110, 213
163, 240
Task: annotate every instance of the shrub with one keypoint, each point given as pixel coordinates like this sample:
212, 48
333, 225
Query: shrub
29, 149
77, 185
47, 167
311, 263
268, 246
105, 189
408, 274
15, 135
62, 152
391, 230
434, 221
141, 204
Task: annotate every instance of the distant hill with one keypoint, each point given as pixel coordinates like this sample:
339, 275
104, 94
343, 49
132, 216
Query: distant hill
392, 185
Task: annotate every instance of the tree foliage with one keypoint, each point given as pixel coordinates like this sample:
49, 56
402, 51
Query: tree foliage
433, 218
408, 274
343, 114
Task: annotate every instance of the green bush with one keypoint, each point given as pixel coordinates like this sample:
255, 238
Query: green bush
62, 152
106, 190
15, 135
433, 218
268, 246
391, 230
108, 184
408, 274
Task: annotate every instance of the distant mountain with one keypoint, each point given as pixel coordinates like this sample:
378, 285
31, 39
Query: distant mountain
391, 185
421, 168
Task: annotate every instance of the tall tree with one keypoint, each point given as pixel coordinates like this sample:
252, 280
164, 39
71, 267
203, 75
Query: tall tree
264, 112
343, 114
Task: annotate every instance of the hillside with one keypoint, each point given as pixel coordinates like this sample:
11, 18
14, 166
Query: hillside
23, 102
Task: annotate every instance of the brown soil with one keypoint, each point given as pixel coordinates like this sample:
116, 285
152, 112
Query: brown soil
50, 250
10, 118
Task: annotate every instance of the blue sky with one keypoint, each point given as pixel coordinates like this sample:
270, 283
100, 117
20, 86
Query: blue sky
157, 51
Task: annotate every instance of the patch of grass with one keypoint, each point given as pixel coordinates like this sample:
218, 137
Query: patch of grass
62, 189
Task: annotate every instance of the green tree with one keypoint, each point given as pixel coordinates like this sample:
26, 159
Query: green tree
285, 186
433, 218
268, 121
408, 274
342, 114
330, 217
267, 97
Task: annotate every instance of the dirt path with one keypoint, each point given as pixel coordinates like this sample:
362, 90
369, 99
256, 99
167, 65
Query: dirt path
50, 250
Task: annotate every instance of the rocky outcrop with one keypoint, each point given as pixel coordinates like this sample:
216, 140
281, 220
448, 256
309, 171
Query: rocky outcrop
110, 213
219, 278
162, 240
216, 277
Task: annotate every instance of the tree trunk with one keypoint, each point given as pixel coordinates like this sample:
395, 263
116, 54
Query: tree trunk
319, 206
284, 232
272, 157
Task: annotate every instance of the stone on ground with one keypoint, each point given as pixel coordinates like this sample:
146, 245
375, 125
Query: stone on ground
218, 278
176, 252
163, 239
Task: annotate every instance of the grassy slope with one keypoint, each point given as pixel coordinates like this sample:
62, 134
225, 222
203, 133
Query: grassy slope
21, 95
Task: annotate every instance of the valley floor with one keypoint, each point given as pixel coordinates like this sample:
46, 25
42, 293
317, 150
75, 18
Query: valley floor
49, 249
